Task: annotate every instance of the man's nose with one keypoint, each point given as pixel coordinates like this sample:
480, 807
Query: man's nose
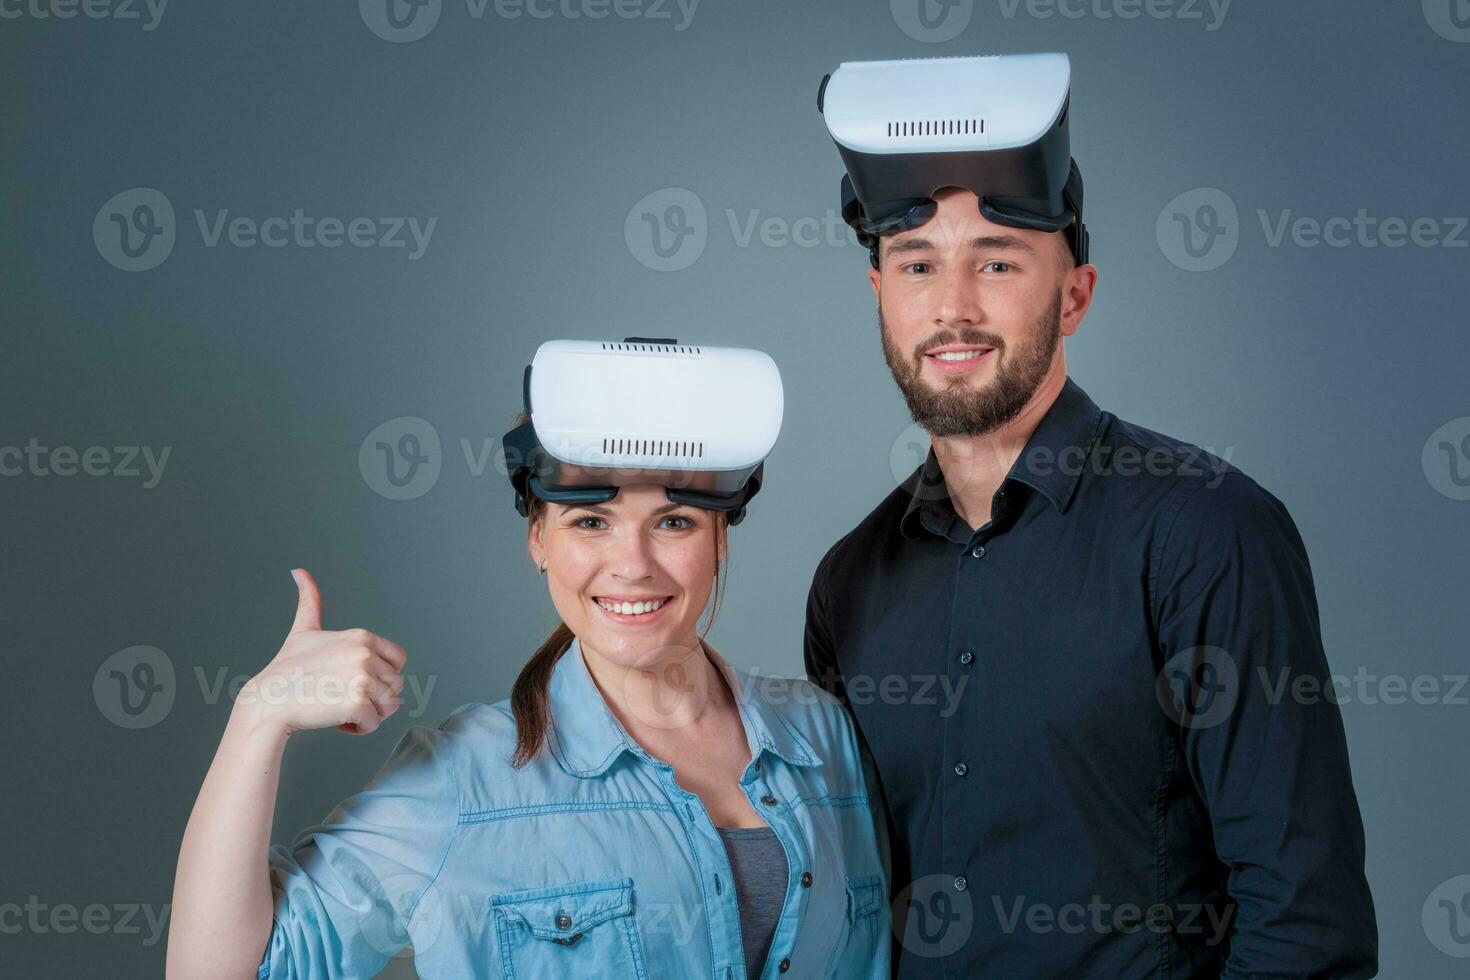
958, 300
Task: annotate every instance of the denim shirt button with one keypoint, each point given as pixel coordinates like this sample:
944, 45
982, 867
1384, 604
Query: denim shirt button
768, 800
785, 965
563, 921
806, 879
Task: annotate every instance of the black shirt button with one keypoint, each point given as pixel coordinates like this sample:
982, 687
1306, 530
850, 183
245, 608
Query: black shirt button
967, 658
960, 884
960, 768
978, 551
768, 800
785, 965
563, 921
806, 879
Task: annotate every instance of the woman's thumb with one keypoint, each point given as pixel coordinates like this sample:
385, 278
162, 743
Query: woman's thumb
308, 602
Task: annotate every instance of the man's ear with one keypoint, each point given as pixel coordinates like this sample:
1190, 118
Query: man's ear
874, 277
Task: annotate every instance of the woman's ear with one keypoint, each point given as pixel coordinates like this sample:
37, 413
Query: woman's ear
534, 545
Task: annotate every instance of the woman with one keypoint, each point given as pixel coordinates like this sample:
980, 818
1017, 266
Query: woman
637, 808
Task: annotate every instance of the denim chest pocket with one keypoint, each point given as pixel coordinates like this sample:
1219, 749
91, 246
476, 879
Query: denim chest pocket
580, 929
865, 897
861, 949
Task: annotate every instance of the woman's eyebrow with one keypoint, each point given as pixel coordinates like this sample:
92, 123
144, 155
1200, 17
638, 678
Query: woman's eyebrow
600, 510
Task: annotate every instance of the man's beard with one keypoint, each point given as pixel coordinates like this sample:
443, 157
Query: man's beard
960, 410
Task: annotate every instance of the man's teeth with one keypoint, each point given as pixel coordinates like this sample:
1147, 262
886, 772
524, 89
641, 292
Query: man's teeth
630, 608
958, 355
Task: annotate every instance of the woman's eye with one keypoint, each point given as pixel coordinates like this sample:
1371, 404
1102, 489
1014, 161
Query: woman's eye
581, 522
680, 517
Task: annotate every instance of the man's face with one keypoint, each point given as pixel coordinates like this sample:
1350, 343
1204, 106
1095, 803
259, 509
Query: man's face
971, 315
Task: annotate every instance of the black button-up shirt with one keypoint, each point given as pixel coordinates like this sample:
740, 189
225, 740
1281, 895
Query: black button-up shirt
1103, 721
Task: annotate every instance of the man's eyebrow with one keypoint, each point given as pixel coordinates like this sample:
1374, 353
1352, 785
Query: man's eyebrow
991, 242
607, 512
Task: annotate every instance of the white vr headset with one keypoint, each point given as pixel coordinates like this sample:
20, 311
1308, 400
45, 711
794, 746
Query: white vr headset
996, 125
698, 420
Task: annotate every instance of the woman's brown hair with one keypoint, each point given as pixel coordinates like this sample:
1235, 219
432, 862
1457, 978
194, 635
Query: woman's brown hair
529, 696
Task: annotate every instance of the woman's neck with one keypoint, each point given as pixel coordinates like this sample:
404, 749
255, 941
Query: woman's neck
682, 692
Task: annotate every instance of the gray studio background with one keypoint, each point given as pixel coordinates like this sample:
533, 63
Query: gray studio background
1332, 373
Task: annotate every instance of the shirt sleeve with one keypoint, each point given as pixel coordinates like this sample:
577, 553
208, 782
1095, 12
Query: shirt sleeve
819, 658
1239, 631
346, 890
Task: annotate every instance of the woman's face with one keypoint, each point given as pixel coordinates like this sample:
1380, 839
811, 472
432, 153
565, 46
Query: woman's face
638, 547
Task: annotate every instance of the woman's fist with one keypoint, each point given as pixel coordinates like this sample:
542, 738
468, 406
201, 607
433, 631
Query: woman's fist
350, 679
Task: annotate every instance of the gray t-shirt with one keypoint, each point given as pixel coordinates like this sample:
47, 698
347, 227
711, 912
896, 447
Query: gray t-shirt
758, 862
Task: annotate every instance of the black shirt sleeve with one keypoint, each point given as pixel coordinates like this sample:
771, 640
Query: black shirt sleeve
818, 654
1238, 628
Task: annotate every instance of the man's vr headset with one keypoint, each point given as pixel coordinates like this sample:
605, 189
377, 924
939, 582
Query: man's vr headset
698, 420
996, 125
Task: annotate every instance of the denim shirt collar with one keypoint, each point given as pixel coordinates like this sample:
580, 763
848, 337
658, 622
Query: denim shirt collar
1050, 463
586, 738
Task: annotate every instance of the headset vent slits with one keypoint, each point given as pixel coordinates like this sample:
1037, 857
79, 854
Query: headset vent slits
686, 448
651, 348
935, 127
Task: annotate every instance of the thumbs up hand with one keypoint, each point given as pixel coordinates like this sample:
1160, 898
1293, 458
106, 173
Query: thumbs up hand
350, 679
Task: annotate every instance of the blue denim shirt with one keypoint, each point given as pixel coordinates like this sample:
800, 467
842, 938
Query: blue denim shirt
591, 861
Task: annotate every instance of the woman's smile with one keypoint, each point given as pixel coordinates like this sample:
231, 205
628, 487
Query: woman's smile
633, 610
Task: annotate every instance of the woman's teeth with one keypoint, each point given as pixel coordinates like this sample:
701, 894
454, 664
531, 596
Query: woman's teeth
631, 608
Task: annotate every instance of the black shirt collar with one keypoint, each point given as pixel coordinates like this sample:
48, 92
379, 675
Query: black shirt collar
1051, 462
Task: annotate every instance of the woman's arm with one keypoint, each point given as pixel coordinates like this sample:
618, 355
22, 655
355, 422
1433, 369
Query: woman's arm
223, 904
221, 913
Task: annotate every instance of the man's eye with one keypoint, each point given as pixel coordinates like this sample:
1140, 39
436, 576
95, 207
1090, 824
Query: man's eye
917, 267
1006, 265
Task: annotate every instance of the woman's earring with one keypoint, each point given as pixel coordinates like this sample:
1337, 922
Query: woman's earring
543, 566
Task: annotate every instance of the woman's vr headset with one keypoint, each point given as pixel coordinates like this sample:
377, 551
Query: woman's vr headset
697, 420
996, 125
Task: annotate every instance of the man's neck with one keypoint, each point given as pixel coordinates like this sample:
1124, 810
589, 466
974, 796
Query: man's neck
975, 466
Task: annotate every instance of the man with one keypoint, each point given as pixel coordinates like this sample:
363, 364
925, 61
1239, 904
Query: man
1070, 645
